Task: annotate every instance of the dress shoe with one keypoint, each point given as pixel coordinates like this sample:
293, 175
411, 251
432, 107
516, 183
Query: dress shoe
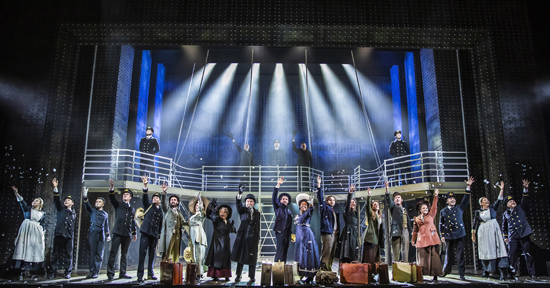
238, 279
226, 278
214, 278
152, 277
140, 280
95, 275
125, 276
252, 279
89, 276
462, 278
52, 275
535, 278
485, 274
110, 278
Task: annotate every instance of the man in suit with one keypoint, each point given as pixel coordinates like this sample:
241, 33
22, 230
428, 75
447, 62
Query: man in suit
304, 160
400, 229
451, 227
329, 227
99, 231
517, 231
283, 221
399, 148
124, 232
245, 247
149, 145
64, 233
277, 156
150, 230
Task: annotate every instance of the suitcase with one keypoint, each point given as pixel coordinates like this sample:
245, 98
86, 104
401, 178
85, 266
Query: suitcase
383, 274
356, 273
191, 273
171, 273
266, 274
291, 274
407, 272
279, 273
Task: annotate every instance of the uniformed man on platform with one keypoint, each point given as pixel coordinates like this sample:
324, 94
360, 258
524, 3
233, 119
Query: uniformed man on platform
124, 232
277, 156
149, 145
400, 227
283, 221
304, 160
517, 231
399, 148
150, 230
451, 227
64, 233
99, 231
246, 156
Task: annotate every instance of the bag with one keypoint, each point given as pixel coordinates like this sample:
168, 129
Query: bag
356, 273
291, 274
140, 215
279, 273
326, 277
171, 273
266, 274
407, 272
191, 273
383, 273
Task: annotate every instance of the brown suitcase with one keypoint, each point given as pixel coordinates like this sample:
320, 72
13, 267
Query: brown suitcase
383, 273
171, 273
291, 274
191, 273
419, 276
279, 273
266, 274
356, 273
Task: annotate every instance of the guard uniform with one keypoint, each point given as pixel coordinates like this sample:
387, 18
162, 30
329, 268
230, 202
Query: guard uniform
150, 234
123, 231
148, 145
64, 235
99, 230
282, 225
517, 230
277, 158
246, 157
451, 226
400, 148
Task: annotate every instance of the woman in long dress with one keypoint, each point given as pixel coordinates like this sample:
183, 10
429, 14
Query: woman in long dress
373, 220
426, 239
197, 241
219, 253
306, 251
348, 244
28, 254
490, 244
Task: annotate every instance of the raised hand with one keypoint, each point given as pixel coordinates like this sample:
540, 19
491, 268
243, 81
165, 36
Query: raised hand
318, 181
368, 191
501, 186
351, 188
112, 183
84, 191
469, 181
54, 183
474, 237
229, 135
241, 188
525, 183
15, 190
145, 180
436, 192
280, 181
387, 185
164, 188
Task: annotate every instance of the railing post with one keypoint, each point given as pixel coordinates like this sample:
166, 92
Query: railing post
203, 177
116, 165
133, 164
298, 172
259, 181
172, 172
437, 165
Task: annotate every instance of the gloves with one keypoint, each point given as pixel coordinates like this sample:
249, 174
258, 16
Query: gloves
233, 229
230, 135
241, 188
213, 204
294, 133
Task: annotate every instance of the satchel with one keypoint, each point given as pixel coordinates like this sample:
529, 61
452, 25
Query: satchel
383, 274
326, 277
171, 273
356, 273
191, 273
291, 274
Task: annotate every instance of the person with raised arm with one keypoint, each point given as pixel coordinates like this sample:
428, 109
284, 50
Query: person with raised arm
400, 227
63, 241
218, 258
283, 221
372, 238
517, 231
348, 240
173, 225
425, 238
197, 240
329, 227
306, 251
98, 232
124, 232
28, 254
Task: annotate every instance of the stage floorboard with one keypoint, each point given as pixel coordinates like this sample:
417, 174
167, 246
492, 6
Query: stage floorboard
79, 279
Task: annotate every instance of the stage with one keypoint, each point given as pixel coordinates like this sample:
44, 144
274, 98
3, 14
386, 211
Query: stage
473, 280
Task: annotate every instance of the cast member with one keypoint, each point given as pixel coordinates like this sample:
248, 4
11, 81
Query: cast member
277, 156
372, 239
218, 259
197, 240
306, 251
98, 233
329, 227
172, 228
400, 228
399, 148
283, 221
150, 146
348, 248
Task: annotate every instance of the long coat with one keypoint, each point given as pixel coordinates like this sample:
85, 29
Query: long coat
372, 235
245, 247
396, 228
220, 245
425, 233
169, 222
348, 248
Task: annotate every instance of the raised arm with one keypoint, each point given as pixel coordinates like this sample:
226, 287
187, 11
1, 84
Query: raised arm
239, 149
433, 209
525, 196
56, 197
350, 196
112, 196
163, 203
368, 214
320, 195
275, 196
20, 199
466, 199
146, 202
87, 204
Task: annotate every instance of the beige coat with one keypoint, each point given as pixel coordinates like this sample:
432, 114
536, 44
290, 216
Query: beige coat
171, 217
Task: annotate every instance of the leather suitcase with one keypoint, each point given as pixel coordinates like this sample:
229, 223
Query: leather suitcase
266, 274
171, 273
419, 276
291, 274
356, 273
383, 273
191, 273
407, 272
279, 273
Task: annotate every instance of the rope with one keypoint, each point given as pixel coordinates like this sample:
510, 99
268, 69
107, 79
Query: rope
185, 110
307, 108
249, 98
367, 121
196, 104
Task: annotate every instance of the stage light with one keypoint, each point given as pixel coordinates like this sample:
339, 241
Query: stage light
279, 123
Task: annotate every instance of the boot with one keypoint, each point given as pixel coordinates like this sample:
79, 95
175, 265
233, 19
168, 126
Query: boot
502, 278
